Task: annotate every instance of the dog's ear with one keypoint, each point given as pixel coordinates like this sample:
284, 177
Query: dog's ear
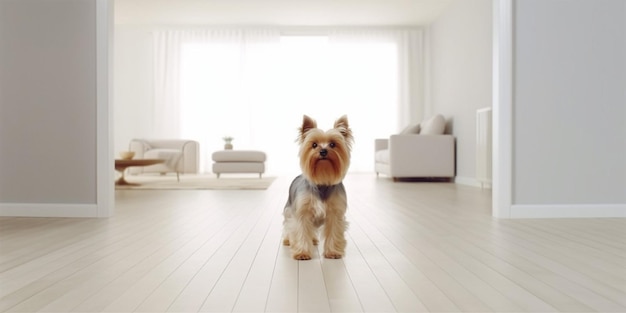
307, 124
341, 124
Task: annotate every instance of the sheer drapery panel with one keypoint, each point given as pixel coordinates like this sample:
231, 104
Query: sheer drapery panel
255, 85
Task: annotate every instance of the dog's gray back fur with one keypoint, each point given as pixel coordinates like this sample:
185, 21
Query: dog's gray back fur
301, 184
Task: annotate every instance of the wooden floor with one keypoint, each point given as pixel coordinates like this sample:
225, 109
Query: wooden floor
412, 247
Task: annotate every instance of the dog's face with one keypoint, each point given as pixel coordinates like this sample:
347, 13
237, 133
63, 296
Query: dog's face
325, 155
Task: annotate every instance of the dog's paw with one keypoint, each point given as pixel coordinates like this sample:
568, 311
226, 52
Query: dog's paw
332, 255
302, 256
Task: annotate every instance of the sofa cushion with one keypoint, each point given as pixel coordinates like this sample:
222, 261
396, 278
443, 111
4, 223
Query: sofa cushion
239, 156
382, 156
171, 157
435, 125
189, 160
411, 129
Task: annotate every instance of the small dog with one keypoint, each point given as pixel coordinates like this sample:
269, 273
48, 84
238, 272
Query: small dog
317, 197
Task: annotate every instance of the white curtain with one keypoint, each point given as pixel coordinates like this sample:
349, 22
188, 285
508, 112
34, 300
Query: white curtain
205, 82
254, 85
409, 49
167, 47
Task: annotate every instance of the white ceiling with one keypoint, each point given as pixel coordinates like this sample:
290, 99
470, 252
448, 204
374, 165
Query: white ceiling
279, 12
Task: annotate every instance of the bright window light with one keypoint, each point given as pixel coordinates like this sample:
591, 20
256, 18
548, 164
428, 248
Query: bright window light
257, 94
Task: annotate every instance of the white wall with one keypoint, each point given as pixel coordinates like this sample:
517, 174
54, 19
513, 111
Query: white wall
53, 85
569, 107
461, 75
48, 113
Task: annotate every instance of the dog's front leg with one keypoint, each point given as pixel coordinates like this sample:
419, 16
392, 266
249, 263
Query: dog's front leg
301, 239
334, 230
302, 232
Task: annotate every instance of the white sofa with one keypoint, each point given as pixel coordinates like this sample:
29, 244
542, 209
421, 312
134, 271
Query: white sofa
180, 155
420, 151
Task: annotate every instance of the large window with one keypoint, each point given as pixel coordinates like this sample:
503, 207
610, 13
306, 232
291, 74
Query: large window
258, 90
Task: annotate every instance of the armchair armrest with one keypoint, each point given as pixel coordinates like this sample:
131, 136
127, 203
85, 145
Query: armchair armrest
381, 144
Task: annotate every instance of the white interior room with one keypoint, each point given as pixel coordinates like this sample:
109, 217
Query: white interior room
79, 79
570, 178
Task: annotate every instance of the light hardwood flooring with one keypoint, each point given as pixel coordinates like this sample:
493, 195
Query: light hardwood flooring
412, 247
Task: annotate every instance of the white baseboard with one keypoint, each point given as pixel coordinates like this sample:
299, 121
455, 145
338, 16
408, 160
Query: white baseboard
48, 210
470, 182
568, 211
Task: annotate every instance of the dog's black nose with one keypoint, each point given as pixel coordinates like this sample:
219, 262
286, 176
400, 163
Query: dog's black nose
323, 152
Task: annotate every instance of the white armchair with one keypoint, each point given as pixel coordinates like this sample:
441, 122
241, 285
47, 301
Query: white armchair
421, 151
180, 155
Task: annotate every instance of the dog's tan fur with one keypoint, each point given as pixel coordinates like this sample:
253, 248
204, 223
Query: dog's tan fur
317, 197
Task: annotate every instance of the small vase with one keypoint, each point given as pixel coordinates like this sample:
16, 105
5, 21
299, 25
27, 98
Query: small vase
228, 146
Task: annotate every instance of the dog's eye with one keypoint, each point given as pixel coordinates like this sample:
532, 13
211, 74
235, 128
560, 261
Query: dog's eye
332, 145
314, 145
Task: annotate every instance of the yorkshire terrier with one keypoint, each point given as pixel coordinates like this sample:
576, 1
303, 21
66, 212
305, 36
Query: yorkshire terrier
317, 197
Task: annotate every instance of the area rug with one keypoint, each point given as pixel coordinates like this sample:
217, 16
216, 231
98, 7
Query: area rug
197, 182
